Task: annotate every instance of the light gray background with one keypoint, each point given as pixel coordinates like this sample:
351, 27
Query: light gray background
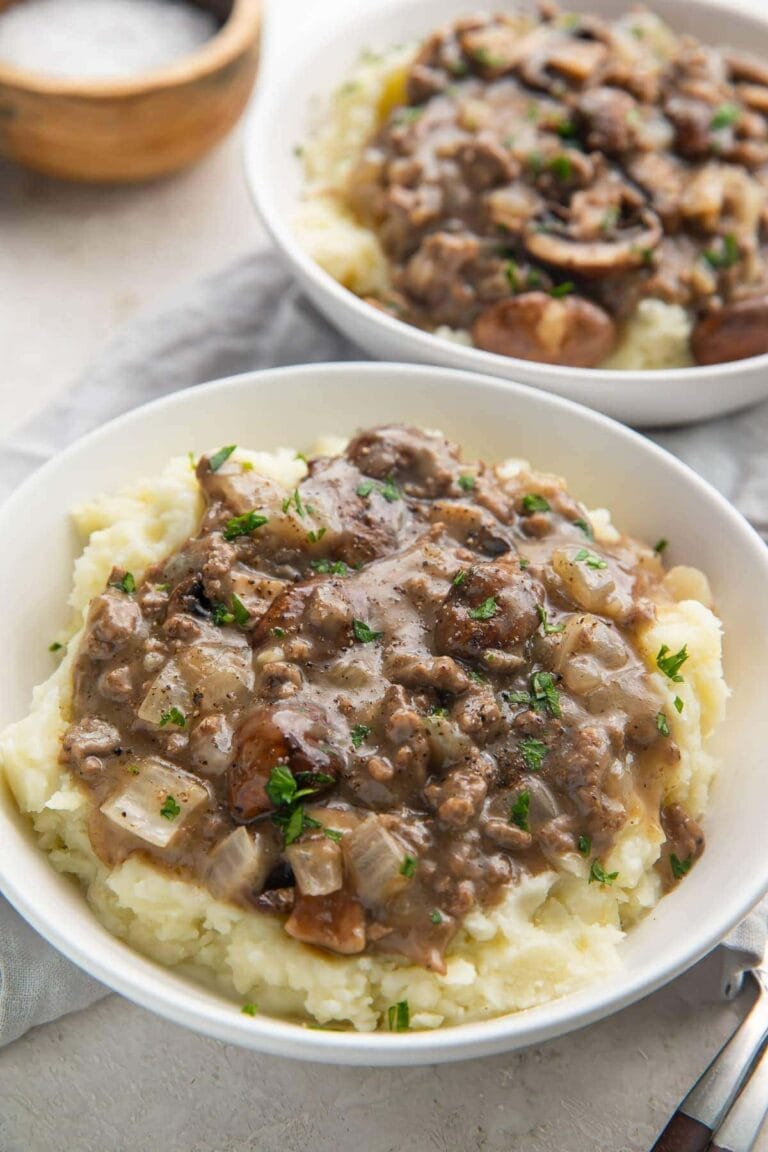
75, 264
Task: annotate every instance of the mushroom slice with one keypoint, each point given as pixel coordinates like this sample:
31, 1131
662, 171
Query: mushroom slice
742, 66
594, 258
735, 332
535, 326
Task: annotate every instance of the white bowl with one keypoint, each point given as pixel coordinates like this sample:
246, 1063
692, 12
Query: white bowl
311, 67
651, 494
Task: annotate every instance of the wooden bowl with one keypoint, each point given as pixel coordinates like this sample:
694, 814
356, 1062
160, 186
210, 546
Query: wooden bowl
129, 130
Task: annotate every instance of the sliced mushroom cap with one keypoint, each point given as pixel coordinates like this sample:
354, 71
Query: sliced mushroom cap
735, 332
594, 258
534, 326
742, 66
606, 116
550, 57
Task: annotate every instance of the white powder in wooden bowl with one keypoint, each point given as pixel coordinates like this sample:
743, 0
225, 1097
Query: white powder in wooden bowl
100, 39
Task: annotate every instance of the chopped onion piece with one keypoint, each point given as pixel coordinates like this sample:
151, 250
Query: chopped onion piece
374, 860
242, 860
167, 690
317, 866
220, 675
156, 803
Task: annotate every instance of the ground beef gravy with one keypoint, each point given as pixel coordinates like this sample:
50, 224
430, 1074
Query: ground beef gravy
538, 176
370, 704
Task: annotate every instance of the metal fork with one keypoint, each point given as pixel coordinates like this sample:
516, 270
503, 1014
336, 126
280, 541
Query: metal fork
741, 1127
701, 1116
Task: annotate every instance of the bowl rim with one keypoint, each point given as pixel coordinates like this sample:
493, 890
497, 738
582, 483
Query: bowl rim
236, 34
165, 992
271, 209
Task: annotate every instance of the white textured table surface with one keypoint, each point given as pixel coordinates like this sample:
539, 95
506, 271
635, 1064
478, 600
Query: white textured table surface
74, 265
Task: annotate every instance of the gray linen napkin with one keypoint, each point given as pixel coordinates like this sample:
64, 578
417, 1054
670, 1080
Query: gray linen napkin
252, 315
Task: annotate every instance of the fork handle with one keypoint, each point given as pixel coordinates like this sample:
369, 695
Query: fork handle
684, 1134
699, 1114
739, 1130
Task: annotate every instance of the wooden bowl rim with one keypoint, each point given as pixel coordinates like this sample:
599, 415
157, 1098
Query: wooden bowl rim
239, 31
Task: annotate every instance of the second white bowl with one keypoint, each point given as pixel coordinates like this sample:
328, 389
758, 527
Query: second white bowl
287, 106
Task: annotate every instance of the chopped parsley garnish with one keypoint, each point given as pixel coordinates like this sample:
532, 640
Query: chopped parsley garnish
566, 130
563, 289
295, 500
436, 916
486, 58
55, 647
560, 167
726, 256
547, 628
133, 769
670, 663
466, 482
544, 695
399, 1017
486, 611
662, 724
293, 824
173, 716
284, 792
390, 491
460, 577
127, 584
533, 502
518, 813
221, 615
584, 556
598, 874
724, 116
518, 282
517, 698
328, 567
584, 844
364, 633
660, 545
220, 457
278, 633
678, 705
586, 528
359, 734
249, 1009
406, 115
239, 611
244, 525
313, 536
609, 219
533, 752
246, 466
281, 788
680, 867
476, 677
408, 866
170, 809
458, 67
333, 834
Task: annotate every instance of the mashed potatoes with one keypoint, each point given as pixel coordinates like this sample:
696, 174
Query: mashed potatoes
657, 336
552, 933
